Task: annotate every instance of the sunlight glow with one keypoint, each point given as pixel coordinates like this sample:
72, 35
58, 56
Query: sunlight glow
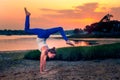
12, 12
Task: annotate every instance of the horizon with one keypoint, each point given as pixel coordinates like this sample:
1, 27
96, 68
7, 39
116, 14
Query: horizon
48, 14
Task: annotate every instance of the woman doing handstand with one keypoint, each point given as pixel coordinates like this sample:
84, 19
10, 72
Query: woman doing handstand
42, 36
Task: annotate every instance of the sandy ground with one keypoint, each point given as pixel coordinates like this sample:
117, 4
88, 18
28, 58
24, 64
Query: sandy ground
12, 68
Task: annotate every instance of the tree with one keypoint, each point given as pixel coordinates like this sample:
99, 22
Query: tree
76, 31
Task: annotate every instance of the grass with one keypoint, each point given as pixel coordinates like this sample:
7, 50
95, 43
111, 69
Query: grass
81, 53
34, 55
11, 55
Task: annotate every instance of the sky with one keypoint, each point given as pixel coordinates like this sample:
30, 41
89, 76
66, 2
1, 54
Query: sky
69, 14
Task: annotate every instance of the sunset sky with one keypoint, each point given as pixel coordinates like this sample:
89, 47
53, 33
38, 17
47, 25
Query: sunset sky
69, 14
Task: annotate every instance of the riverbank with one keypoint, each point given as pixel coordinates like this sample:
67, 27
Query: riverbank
14, 67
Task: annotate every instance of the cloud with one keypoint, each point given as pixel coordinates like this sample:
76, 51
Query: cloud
81, 15
115, 11
88, 7
87, 10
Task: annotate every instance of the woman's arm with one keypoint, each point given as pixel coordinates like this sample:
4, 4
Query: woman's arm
43, 58
42, 62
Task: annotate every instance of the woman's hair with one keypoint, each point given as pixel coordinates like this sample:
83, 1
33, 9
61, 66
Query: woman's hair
52, 50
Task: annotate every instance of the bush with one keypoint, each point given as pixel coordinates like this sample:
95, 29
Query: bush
34, 55
82, 53
68, 53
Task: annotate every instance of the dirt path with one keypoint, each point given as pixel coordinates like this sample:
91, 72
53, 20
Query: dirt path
61, 70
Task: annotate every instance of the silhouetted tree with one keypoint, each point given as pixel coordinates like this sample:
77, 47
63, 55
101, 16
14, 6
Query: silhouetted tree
76, 31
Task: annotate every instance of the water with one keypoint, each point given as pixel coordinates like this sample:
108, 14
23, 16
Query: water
26, 42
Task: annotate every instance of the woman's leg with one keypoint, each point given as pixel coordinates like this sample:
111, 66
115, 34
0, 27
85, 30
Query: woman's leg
44, 33
27, 27
57, 29
27, 20
36, 31
27, 23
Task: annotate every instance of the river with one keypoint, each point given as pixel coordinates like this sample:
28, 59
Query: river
28, 42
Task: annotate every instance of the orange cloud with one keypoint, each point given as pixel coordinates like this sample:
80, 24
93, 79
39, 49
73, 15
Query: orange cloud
116, 12
80, 16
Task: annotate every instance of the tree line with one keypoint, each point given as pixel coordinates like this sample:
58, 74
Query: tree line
12, 32
22, 32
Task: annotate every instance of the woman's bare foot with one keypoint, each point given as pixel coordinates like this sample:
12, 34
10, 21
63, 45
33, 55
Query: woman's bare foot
26, 12
69, 43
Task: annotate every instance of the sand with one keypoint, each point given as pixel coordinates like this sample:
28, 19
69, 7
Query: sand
16, 68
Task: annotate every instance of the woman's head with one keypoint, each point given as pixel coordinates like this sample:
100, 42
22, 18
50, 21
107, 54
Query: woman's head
51, 52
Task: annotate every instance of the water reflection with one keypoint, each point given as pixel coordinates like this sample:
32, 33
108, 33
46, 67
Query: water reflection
84, 43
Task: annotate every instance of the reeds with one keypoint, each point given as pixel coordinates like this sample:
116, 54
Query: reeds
105, 51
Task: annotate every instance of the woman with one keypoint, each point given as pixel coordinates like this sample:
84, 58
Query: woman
42, 35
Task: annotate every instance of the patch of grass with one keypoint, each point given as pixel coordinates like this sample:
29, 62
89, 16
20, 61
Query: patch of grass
82, 53
34, 55
12, 55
